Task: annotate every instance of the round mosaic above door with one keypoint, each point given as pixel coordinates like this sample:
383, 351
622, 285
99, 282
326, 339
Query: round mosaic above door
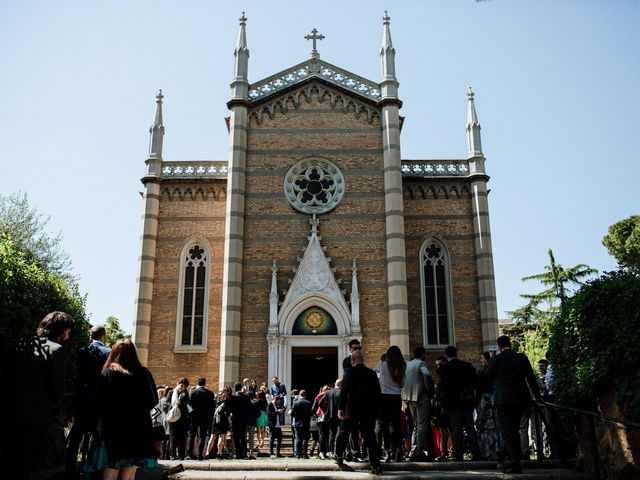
314, 185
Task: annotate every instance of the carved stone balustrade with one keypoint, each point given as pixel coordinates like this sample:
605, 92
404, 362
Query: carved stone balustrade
194, 169
435, 168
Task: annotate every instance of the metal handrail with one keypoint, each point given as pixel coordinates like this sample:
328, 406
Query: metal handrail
619, 421
591, 416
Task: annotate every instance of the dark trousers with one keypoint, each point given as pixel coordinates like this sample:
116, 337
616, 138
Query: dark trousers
84, 423
334, 424
324, 431
178, 432
24, 449
240, 439
388, 425
199, 427
509, 416
461, 418
302, 441
275, 438
365, 426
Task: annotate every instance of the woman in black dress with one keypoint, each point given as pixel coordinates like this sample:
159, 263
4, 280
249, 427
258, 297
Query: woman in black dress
127, 395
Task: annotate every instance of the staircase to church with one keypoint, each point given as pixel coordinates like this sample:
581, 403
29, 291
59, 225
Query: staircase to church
265, 468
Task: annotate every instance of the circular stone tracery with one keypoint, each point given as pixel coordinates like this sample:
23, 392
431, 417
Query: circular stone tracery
314, 186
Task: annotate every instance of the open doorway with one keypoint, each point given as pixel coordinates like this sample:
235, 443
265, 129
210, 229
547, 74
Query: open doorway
313, 367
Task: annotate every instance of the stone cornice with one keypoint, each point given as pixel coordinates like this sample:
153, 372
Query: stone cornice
324, 92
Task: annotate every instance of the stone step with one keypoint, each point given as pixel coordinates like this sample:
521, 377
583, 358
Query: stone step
313, 469
537, 474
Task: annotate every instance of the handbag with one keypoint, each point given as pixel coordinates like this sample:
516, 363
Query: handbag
97, 453
174, 413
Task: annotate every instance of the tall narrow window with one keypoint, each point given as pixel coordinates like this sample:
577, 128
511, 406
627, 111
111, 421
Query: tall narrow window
193, 299
436, 294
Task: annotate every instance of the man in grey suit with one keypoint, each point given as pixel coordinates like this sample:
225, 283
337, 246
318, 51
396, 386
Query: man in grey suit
417, 392
510, 372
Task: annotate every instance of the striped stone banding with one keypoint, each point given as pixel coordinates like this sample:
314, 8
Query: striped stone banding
152, 196
438, 217
391, 213
398, 306
392, 236
144, 301
141, 345
192, 219
392, 190
232, 359
391, 146
148, 236
486, 278
393, 168
237, 214
237, 260
237, 148
393, 283
234, 308
234, 284
239, 170
235, 236
148, 258
398, 258
237, 191
238, 126
483, 255
398, 331
389, 126
487, 298
171, 239
232, 333
144, 279
150, 216
141, 323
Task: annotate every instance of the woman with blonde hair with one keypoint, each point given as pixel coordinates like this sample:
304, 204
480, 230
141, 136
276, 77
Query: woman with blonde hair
127, 395
388, 427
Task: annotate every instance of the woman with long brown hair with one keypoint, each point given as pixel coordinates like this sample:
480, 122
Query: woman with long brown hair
127, 395
391, 377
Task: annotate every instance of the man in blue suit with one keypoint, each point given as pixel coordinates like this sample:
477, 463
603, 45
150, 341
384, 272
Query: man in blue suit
91, 359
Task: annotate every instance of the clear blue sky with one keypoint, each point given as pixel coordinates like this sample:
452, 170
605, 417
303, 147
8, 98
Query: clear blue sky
556, 93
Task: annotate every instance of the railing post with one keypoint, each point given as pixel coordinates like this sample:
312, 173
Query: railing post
594, 447
539, 419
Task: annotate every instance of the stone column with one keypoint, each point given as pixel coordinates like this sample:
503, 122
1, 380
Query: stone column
233, 245
146, 267
484, 257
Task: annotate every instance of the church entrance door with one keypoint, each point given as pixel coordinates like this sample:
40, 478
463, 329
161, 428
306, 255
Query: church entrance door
313, 367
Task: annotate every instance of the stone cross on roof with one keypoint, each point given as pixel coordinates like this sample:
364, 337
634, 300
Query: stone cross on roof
314, 37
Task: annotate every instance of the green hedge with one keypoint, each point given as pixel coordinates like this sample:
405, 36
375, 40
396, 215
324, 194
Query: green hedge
27, 294
595, 343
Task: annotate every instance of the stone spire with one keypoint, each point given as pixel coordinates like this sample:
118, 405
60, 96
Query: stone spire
156, 131
389, 83
240, 83
355, 299
273, 299
473, 128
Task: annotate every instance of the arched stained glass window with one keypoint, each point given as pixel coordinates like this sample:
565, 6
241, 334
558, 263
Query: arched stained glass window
193, 298
436, 294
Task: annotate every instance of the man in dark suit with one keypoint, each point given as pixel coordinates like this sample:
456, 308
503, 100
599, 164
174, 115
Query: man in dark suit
34, 386
203, 402
353, 346
458, 385
509, 373
240, 408
301, 413
358, 407
90, 361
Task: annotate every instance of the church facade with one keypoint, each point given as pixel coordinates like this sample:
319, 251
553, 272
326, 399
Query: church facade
314, 231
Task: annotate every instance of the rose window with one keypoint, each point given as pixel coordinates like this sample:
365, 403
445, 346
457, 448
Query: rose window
314, 186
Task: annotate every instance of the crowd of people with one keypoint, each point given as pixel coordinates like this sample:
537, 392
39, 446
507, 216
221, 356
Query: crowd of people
397, 411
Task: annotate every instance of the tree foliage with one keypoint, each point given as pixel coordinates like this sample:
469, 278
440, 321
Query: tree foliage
594, 343
28, 293
114, 332
531, 322
623, 242
27, 230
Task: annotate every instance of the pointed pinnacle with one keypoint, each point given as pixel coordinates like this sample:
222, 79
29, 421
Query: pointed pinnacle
243, 19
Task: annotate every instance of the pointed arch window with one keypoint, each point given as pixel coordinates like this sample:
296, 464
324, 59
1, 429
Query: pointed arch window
435, 281
193, 298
